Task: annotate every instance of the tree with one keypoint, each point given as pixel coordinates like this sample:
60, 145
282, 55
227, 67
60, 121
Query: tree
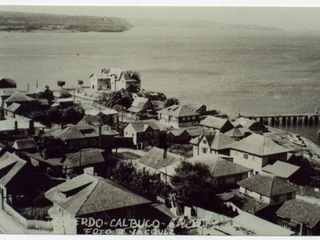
46, 94
65, 94
80, 82
61, 83
193, 184
49, 147
105, 119
171, 101
54, 114
72, 115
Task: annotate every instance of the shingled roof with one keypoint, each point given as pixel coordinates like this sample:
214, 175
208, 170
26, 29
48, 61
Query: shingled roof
86, 194
83, 158
19, 97
155, 159
214, 122
141, 126
281, 169
215, 139
267, 185
300, 211
10, 165
13, 107
24, 144
178, 111
219, 166
258, 145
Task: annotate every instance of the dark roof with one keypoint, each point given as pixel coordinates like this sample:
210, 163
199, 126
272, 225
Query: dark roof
300, 211
155, 158
267, 185
83, 158
11, 165
219, 166
258, 145
214, 122
195, 106
8, 83
24, 144
86, 194
178, 111
141, 126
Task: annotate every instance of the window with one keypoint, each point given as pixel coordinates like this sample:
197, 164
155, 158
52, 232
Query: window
204, 141
188, 118
204, 150
221, 181
276, 199
183, 119
126, 133
289, 196
93, 142
92, 86
83, 143
194, 117
245, 156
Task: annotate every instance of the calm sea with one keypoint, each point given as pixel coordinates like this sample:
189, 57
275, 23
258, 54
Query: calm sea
251, 71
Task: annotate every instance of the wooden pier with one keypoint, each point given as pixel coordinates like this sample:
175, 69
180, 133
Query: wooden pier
286, 119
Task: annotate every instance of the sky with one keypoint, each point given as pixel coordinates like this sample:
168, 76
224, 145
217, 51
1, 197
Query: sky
286, 17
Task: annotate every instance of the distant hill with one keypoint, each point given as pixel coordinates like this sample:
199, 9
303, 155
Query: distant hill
16, 21
195, 24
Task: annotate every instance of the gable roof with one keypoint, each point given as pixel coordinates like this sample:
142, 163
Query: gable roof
236, 132
9, 124
50, 161
141, 126
214, 122
247, 123
19, 97
139, 102
80, 130
178, 111
267, 185
83, 158
105, 111
24, 144
87, 194
216, 140
300, 211
281, 169
11, 164
8, 83
155, 159
219, 166
258, 145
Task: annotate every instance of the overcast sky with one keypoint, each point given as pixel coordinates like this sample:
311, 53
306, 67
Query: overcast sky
287, 18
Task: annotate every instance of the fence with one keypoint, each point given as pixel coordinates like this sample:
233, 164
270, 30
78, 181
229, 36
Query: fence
28, 224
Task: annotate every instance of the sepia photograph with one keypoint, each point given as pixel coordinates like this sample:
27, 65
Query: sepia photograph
159, 120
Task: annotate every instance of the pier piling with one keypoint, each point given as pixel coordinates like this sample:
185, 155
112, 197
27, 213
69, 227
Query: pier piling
294, 120
272, 121
284, 121
311, 120
265, 121
306, 120
289, 120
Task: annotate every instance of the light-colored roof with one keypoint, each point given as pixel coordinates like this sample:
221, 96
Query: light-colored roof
19, 97
65, 100
155, 159
281, 169
8, 124
260, 226
215, 139
214, 122
11, 164
300, 211
267, 185
236, 132
178, 111
247, 123
86, 194
218, 165
13, 107
258, 145
24, 144
106, 111
139, 102
83, 157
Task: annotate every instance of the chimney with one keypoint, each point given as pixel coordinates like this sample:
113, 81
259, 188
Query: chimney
31, 127
15, 125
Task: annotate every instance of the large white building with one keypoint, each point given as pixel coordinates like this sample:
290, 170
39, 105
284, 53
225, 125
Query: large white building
115, 79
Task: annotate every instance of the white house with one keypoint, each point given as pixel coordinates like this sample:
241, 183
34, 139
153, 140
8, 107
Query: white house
115, 79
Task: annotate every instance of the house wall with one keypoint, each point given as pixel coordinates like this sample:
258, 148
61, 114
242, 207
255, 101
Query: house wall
130, 132
63, 222
231, 180
178, 122
271, 201
252, 161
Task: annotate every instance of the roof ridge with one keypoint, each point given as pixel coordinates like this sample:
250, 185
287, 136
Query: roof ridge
88, 196
272, 182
